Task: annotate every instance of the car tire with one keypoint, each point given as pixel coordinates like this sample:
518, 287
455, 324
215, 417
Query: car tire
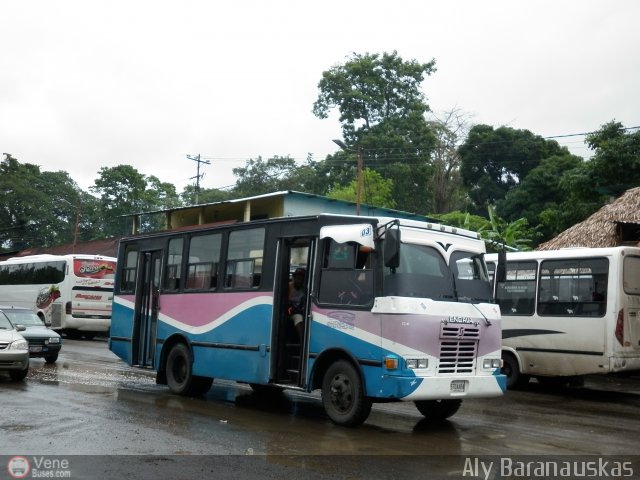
51, 358
18, 375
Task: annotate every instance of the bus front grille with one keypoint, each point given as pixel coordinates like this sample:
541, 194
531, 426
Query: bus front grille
457, 356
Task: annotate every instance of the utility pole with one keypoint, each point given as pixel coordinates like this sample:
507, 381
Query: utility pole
359, 180
198, 175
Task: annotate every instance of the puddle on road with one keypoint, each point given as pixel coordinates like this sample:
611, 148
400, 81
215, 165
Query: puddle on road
89, 380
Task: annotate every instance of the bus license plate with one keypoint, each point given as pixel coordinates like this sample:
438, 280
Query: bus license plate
458, 386
36, 349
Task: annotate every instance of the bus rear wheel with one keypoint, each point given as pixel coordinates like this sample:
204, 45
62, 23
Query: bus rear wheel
343, 395
179, 374
438, 410
511, 370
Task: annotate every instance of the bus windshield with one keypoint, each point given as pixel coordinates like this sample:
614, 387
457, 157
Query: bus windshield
423, 273
471, 277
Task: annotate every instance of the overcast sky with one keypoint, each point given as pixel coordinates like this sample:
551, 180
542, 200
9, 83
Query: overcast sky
86, 84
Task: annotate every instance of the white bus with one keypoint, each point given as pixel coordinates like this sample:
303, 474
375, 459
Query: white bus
568, 313
70, 293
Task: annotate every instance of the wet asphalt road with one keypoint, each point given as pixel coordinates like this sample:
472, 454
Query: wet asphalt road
91, 404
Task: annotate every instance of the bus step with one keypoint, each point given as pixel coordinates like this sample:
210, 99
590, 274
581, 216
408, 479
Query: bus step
293, 374
293, 345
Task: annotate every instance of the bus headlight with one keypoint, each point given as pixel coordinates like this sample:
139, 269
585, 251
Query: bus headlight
491, 363
54, 340
19, 345
414, 363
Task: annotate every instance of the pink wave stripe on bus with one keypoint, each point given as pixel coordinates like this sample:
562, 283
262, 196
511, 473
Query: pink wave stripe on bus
199, 309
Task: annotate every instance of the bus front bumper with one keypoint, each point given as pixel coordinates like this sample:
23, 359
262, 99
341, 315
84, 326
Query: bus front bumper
437, 388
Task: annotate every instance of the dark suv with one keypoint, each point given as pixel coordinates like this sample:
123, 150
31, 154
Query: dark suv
43, 342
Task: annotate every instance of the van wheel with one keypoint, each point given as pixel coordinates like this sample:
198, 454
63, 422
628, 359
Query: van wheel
343, 395
179, 375
438, 410
511, 370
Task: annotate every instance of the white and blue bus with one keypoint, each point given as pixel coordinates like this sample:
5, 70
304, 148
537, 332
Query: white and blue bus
394, 310
569, 313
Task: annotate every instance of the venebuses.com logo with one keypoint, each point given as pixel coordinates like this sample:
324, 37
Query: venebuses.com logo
38, 467
18, 467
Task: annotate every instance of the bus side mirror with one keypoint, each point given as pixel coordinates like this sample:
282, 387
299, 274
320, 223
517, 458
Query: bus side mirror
392, 248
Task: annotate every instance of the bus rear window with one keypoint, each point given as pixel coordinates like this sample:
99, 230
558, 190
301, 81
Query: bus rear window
631, 275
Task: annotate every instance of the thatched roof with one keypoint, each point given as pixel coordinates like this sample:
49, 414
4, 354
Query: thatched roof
605, 227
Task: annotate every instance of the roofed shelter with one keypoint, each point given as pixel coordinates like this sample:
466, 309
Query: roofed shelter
615, 224
272, 205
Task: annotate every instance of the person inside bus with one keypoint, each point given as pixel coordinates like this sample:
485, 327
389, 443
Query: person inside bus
296, 306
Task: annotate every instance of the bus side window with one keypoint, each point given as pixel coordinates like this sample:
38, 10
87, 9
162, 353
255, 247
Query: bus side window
245, 259
173, 271
202, 263
346, 278
129, 270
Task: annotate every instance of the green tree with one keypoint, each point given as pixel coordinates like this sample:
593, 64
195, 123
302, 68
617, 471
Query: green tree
375, 190
123, 191
206, 195
615, 165
260, 176
495, 160
542, 190
382, 113
370, 89
501, 233
36, 208
445, 184
457, 218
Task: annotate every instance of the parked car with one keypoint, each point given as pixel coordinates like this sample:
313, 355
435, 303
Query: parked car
14, 350
43, 342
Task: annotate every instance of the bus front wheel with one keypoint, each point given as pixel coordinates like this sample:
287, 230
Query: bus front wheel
438, 410
343, 395
179, 375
